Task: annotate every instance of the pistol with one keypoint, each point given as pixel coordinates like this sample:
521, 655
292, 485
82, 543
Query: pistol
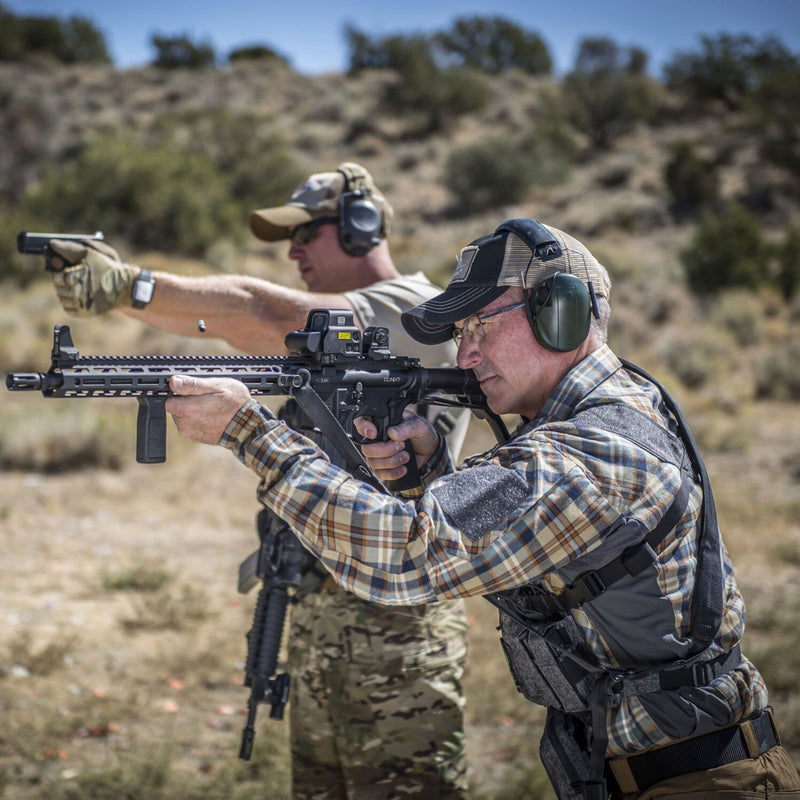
39, 243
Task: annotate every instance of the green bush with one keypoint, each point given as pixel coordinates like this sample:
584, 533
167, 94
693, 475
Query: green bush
729, 68
156, 196
495, 44
697, 357
250, 156
549, 144
71, 41
727, 249
776, 114
692, 181
777, 376
607, 91
15, 267
423, 87
174, 52
740, 312
257, 52
789, 265
492, 172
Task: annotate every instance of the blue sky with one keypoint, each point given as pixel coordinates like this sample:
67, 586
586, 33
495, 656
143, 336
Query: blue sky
310, 32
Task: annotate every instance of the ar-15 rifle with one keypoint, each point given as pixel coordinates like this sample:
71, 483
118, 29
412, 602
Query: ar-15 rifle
335, 374
39, 243
279, 563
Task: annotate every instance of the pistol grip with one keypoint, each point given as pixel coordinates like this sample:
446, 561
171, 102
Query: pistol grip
151, 430
411, 479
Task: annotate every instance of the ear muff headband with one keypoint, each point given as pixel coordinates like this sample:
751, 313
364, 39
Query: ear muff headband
559, 309
360, 220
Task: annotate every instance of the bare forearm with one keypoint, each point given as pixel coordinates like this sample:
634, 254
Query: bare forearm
250, 314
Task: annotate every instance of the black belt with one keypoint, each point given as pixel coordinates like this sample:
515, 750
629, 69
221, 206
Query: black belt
748, 739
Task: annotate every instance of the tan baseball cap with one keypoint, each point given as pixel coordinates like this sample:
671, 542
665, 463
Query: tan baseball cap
318, 197
520, 252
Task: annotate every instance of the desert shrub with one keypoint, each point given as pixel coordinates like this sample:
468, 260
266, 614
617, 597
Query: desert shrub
249, 155
141, 576
39, 444
73, 40
696, 357
174, 52
727, 249
38, 658
789, 264
257, 52
741, 313
608, 90
489, 173
495, 44
26, 124
160, 197
15, 267
549, 143
728, 69
164, 610
776, 113
791, 464
692, 181
424, 86
777, 376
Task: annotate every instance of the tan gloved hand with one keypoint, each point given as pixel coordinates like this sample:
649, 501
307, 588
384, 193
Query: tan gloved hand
89, 277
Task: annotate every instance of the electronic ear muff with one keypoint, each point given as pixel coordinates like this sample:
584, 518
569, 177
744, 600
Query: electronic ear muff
360, 220
559, 312
560, 308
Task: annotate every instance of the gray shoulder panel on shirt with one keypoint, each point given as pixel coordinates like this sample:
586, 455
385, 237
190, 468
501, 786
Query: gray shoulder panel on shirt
478, 499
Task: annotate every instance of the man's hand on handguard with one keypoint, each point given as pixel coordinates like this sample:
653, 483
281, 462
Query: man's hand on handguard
388, 459
89, 277
203, 407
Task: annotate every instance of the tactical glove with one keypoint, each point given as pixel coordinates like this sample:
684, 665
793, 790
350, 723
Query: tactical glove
89, 277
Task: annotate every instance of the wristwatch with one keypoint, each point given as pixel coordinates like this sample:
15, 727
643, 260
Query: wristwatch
142, 289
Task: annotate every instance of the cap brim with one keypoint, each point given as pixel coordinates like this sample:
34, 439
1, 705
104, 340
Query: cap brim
274, 224
432, 321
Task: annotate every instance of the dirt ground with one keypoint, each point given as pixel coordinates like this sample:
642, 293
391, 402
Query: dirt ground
114, 672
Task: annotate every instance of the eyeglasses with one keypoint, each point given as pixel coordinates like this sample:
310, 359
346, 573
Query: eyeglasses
303, 234
472, 329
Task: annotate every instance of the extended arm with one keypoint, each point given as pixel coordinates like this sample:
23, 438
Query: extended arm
249, 313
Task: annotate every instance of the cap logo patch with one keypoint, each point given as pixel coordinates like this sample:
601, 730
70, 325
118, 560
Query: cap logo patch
466, 258
547, 251
313, 192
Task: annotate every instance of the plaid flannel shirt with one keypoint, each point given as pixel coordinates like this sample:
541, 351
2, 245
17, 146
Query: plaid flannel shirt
408, 550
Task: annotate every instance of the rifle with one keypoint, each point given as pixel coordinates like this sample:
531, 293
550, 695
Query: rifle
39, 243
334, 373
279, 564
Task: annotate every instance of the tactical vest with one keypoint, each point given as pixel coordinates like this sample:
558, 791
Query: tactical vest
546, 651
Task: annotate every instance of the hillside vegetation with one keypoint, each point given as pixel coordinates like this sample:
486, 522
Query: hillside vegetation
122, 639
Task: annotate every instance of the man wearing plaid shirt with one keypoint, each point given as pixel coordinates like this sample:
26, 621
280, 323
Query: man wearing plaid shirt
592, 529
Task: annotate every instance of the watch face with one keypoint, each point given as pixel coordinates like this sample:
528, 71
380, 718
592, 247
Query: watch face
142, 291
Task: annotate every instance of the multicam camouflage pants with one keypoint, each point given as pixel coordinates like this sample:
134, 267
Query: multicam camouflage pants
377, 707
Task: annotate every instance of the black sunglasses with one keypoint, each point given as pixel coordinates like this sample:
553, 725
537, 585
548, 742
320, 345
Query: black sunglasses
303, 234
